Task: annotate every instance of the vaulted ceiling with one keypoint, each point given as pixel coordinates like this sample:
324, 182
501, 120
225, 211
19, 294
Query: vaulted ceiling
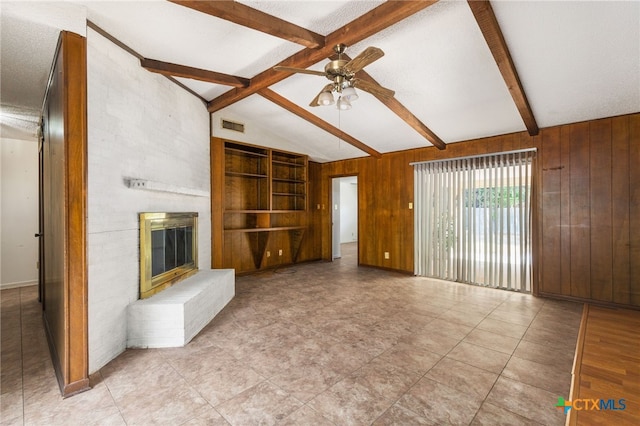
460, 70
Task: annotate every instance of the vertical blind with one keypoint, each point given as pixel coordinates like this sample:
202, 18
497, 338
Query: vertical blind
472, 219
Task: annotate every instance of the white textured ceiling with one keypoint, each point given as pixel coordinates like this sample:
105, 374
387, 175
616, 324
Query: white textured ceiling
576, 61
28, 38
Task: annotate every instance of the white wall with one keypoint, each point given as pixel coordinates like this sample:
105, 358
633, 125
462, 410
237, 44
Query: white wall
18, 212
348, 210
142, 126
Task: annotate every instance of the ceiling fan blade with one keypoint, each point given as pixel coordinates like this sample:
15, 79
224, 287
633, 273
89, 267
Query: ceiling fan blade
298, 70
314, 102
369, 55
374, 89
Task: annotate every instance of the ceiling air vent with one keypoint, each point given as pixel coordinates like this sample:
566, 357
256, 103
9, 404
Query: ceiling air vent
232, 125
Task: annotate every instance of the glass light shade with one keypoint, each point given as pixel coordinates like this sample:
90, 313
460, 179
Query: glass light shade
350, 94
343, 103
325, 98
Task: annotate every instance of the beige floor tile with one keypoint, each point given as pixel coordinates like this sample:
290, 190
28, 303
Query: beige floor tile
431, 341
542, 354
527, 401
349, 402
505, 328
561, 338
477, 356
413, 358
263, 404
462, 377
447, 328
397, 415
476, 306
174, 405
389, 380
549, 377
316, 344
87, 408
439, 403
206, 416
494, 341
221, 385
469, 318
191, 365
492, 415
158, 376
512, 316
305, 416
306, 381
11, 407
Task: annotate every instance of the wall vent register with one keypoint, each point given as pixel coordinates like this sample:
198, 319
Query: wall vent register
232, 125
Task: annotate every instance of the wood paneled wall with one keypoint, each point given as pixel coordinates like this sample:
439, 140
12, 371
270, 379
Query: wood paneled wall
590, 210
586, 207
64, 188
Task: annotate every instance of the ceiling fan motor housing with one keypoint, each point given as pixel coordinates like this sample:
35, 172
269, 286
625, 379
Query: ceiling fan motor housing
336, 68
335, 72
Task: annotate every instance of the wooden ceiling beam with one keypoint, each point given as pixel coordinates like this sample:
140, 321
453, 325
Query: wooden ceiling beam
175, 70
401, 111
252, 18
383, 16
486, 19
315, 120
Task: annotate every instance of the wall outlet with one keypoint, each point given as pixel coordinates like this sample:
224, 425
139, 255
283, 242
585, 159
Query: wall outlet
268, 253
386, 255
280, 252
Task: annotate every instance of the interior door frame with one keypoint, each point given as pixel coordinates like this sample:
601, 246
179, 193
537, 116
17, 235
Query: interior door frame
40, 233
331, 206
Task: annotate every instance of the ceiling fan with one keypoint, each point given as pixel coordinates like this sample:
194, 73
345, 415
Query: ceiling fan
342, 74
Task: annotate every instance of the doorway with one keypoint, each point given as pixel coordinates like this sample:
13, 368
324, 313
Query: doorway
344, 218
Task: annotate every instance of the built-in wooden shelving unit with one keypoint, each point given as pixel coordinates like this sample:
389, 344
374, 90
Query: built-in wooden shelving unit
259, 217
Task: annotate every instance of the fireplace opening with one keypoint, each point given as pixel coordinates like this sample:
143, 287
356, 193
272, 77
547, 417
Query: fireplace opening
168, 250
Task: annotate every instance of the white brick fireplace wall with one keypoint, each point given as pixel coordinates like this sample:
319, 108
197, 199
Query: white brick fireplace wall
141, 126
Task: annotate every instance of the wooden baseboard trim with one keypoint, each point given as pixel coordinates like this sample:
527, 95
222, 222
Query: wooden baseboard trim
19, 284
572, 418
603, 304
75, 388
383, 268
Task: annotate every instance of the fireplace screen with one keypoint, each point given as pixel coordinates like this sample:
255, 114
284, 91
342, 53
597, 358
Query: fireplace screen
168, 250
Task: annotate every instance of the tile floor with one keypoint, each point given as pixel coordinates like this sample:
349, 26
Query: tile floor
318, 344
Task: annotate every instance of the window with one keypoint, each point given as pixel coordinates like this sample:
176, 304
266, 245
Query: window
473, 219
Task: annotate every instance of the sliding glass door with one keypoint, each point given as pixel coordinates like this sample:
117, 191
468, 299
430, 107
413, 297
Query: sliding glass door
473, 219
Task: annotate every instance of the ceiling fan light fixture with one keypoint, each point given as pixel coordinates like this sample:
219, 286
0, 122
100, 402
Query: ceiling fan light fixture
325, 98
343, 104
350, 94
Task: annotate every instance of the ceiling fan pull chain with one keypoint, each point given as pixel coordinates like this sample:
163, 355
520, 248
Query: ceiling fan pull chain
339, 128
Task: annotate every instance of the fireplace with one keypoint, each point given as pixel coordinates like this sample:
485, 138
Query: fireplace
168, 250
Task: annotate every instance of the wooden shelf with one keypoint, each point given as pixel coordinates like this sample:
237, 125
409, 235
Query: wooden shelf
272, 229
247, 211
288, 180
288, 163
263, 208
272, 212
245, 150
247, 175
